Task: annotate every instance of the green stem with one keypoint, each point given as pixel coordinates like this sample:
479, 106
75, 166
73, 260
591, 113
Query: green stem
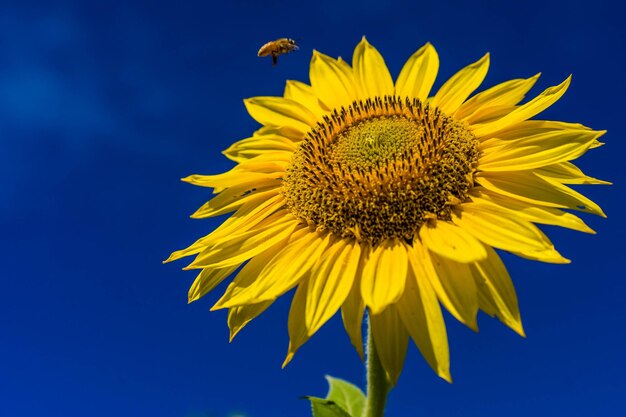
378, 384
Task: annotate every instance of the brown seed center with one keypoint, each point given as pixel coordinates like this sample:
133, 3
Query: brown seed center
380, 168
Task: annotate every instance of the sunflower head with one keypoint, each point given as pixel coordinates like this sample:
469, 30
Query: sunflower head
367, 194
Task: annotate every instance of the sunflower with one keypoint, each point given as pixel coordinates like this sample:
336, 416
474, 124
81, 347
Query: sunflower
365, 194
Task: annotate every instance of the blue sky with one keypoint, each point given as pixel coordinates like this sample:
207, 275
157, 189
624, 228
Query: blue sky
104, 107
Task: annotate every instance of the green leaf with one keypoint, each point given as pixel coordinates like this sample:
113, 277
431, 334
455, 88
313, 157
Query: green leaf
326, 408
348, 396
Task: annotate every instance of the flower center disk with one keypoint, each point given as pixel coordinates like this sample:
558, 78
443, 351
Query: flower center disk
380, 168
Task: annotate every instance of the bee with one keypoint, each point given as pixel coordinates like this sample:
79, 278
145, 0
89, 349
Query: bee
278, 47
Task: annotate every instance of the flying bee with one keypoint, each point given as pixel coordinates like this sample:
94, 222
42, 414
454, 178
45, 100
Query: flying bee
278, 47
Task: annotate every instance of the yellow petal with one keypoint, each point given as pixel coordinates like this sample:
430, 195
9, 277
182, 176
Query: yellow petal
486, 145
279, 111
207, 280
330, 282
332, 82
538, 150
245, 154
248, 216
452, 242
418, 74
458, 88
526, 111
239, 316
460, 299
549, 255
497, 294
247, 171
583, 203
532, 188
567, 173
234, 197
255, 146
261, 165
384, 275
352, 311
304, 94
370, 71
197, 247
496, 228
391, 341
247, 275
288, 132
458, 283
235, 177
241, 247
488, 114
266, 141
421, 315
529, 212
534, 127
259, 215
345, 66
278, 274
297, 331
508, 93
596, 144
279, 157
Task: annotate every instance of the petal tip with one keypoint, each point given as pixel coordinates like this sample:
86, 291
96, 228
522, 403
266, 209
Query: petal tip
232, 335
586, 229
565, 84
220, 305
288, 358
473, 325
359, 351
445, 375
